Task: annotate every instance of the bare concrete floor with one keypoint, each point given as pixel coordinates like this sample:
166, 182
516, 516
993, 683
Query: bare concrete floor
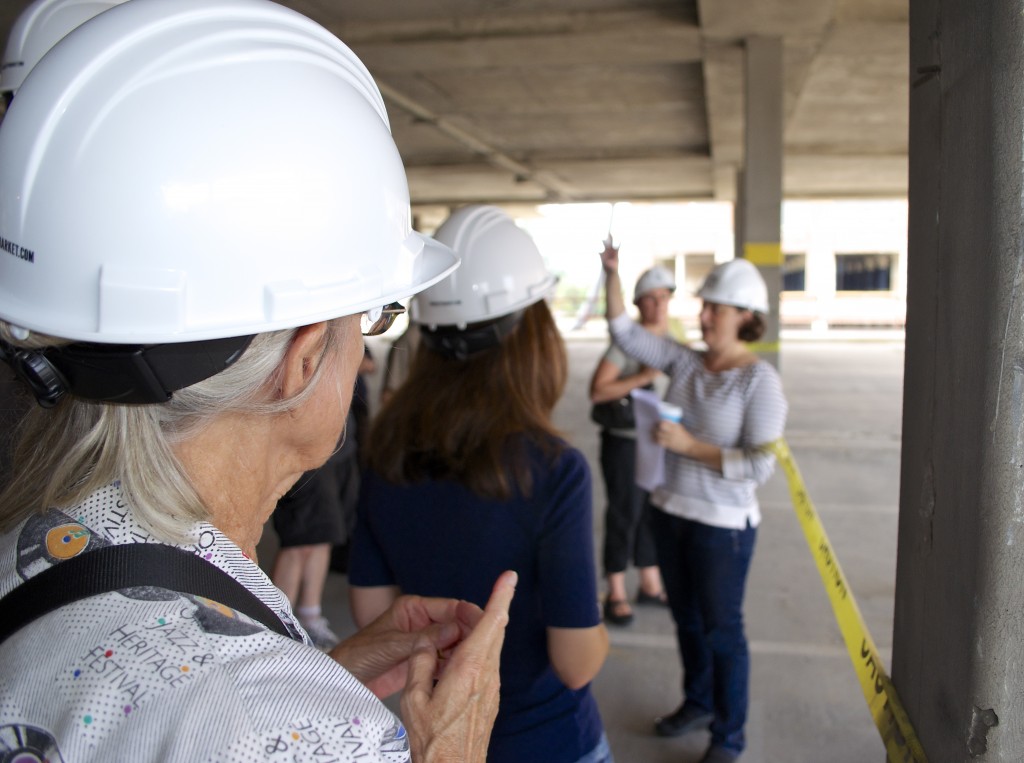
806, 705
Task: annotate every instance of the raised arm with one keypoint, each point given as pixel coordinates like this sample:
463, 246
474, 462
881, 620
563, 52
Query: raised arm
653, 351
612, 283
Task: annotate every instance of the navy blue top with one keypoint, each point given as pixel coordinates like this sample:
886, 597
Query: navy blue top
437, 538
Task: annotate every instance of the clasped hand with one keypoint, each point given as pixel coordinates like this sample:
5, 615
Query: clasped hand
445, 654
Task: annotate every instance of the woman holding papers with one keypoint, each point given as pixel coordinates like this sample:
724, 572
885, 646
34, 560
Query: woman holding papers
706, 511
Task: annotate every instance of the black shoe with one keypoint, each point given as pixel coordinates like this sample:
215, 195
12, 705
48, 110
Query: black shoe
684, 720
716, 754
652, 599
617, 612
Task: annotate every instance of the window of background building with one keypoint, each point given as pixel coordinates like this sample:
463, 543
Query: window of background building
793, 272
695, 271
864, 272
669, 263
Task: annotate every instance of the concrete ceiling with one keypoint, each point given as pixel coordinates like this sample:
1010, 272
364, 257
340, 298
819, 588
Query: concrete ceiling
533, 101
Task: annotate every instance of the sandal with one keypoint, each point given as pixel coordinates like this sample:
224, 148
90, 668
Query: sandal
617, 612
653, 599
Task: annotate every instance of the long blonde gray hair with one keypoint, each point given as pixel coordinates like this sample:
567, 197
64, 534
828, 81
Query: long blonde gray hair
64, 454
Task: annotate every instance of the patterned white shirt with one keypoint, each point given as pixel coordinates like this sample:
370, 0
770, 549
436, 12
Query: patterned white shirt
147, 674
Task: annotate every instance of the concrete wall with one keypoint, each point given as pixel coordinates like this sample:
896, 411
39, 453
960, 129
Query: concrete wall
958, 661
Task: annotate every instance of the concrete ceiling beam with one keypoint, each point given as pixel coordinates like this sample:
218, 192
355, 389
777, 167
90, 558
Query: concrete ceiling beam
466, 26
509, 99
723, 94
622, 47
738, 19
554, 187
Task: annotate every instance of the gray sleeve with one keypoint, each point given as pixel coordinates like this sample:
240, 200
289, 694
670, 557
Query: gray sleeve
764, 420
643, 346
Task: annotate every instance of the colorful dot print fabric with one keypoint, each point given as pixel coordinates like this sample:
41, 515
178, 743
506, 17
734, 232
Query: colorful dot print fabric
150, 674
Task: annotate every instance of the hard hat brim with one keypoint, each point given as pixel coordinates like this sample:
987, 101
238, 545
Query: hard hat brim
434, 262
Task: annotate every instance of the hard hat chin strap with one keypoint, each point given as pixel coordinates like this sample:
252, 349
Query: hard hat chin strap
456, 344
120, 373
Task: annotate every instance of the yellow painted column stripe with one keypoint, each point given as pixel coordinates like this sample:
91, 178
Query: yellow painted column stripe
901, 743
764, 254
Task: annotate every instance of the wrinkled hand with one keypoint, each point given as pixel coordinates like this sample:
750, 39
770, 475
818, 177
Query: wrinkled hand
610, 257
674, 437
379, 654
450, 719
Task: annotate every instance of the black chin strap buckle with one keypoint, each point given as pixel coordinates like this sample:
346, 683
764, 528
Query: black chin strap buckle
46, 383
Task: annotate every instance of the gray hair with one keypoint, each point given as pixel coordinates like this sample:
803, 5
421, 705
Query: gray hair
66, 453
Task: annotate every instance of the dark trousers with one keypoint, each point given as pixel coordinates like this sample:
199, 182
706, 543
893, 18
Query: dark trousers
704, 570
627, 524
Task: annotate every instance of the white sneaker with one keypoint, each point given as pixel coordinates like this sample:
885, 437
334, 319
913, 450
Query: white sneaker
320, 632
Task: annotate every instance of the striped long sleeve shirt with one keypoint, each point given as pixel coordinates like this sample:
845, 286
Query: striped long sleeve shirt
738, 410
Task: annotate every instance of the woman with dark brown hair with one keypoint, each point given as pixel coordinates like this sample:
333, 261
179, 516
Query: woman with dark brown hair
467, 474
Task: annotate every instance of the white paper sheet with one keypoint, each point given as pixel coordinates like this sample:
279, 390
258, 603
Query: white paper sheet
650, 457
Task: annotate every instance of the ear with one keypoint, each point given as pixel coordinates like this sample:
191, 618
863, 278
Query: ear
300, 362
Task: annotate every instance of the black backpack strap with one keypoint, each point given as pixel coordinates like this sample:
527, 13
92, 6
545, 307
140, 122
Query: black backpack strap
112, 568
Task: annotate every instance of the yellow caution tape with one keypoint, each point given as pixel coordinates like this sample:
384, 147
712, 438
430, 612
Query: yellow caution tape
764, 254
763, 347
901, 743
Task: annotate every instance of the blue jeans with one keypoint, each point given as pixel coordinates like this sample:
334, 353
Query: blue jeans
600, 754
704, 570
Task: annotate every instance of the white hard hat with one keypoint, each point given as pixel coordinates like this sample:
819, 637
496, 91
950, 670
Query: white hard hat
39, 27
657, 277
502, 271
737, 283
183, 170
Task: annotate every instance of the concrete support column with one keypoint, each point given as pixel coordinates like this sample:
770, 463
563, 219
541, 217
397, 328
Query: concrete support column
958, 645
739, 216
759, 222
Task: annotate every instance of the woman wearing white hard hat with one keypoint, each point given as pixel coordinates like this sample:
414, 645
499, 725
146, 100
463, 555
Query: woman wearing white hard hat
706, 511
627, 531
468, 476
37, 29
181, 290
